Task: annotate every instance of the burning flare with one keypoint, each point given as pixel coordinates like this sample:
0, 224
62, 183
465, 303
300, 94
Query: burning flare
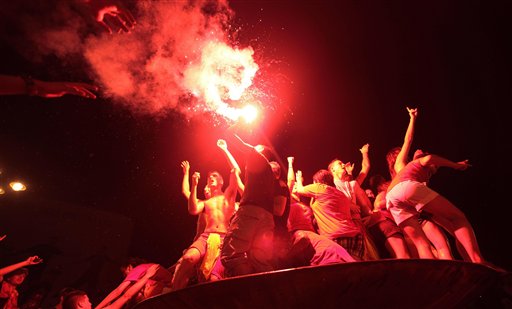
222, 75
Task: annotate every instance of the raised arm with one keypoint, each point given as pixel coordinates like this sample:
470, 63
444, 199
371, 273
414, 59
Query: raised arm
363, 201
33, 260
185, 185
236, 174
235, 140
290, 176
401, 159
224, 147
195, 206
436, 160
291, 181
235, 182
365, 164
299, 184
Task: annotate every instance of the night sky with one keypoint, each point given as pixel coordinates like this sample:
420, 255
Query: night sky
339, 74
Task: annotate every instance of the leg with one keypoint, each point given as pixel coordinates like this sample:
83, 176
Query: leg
454, 221
393, 239
412, 229
238, 242
397, 246
411, 247
462, 252
262, 250
185, 268
438, 239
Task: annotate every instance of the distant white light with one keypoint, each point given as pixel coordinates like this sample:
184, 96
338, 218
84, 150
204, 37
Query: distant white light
17, 186
2, 191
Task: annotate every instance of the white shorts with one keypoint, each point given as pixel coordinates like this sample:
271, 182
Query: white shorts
407, 198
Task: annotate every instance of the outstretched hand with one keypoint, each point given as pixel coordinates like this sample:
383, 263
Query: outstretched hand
58, 89
33, 260
463, 165
185, 165
112, 15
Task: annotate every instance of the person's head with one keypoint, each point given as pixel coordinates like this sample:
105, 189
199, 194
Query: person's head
276, 169
36, 296
419, 154
62, 294
391, 159
130, 264
17, 277
336, 167
324, 177
76, 299
376, 183
215, 180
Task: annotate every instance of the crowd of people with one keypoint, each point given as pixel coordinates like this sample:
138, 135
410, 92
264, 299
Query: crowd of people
271, 220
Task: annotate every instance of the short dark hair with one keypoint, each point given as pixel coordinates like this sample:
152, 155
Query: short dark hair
66, 291
70, 300
325, 177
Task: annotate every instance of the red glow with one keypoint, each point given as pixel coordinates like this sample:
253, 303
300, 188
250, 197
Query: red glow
177, 50
222, 74
249, 113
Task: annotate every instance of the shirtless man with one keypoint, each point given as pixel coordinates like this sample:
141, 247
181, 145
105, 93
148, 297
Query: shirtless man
216, 211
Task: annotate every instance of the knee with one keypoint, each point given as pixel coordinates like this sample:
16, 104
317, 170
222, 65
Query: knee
190, 258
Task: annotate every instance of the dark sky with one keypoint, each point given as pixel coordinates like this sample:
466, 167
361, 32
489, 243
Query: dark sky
342, 73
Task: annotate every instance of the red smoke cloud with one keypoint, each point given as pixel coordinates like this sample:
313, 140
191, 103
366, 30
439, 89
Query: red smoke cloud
178, 53
180, 56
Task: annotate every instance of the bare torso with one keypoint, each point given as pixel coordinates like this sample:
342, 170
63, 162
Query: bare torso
217, 212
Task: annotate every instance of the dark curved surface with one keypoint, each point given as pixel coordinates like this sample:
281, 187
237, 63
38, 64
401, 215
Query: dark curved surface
375, 284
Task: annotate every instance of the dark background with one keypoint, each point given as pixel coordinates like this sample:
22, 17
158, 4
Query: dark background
345, 72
